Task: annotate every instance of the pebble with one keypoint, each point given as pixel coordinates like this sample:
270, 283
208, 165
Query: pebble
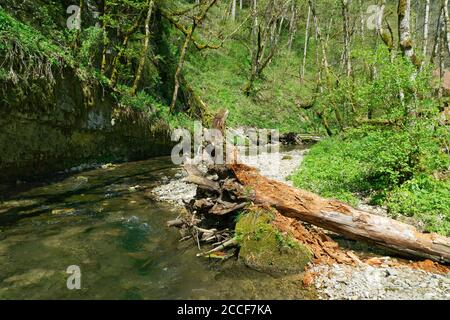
175, 192
365, 282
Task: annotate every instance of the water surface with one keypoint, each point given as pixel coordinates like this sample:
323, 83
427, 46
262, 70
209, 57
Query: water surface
106, 222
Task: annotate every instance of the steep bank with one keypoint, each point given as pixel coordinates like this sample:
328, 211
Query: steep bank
56, 111
41, 135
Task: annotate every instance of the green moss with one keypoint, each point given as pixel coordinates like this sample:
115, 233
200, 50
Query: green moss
265, 248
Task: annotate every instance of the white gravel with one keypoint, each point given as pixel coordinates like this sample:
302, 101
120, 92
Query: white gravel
277, 166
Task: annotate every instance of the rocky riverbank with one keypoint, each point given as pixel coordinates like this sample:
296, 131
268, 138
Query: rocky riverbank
365, 282
386, 280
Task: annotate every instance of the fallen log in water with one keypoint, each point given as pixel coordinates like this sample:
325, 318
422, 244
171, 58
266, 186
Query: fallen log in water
228, 189
341, 218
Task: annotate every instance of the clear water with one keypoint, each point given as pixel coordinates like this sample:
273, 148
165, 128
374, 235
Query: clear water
119, 239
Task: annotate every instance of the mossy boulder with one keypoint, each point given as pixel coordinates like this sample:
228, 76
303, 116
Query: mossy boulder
265, 248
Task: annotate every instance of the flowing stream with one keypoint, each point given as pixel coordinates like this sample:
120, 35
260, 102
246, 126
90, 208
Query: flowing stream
107, 222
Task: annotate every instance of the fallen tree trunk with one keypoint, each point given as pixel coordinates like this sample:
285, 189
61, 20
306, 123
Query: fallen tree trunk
339, 217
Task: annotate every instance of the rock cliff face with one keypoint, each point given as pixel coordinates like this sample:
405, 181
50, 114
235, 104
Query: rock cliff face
56, 127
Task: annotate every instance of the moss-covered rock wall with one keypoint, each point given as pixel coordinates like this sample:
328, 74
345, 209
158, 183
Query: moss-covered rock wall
44, 131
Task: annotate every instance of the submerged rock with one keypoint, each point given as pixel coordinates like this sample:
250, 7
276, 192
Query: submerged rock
29, 278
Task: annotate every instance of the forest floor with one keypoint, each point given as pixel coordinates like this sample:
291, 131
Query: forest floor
378, 277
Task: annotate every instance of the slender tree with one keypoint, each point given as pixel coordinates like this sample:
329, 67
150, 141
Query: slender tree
144, 50
347, 37
292, 24
426, 24
404, 31
233, 9
115, 63
446, 23
305, 48
437, 37
188, 37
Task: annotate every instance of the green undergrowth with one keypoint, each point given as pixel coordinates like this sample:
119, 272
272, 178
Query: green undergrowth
156, 110
25, 51
274, 105
28, 56
219, 76
392, 167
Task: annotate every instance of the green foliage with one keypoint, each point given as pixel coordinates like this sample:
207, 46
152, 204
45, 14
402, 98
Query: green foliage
383, 88
387, 164
390, 143
330, 170
273, 106
155, 110
424, 198
219, 76
20, 40
90, 49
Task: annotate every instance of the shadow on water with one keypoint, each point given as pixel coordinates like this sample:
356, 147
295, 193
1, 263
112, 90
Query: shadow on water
106, 222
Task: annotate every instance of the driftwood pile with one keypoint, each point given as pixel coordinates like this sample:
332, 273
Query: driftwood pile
225, 190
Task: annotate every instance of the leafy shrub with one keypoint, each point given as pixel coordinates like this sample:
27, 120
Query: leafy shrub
330, 172
391, 166
390, 145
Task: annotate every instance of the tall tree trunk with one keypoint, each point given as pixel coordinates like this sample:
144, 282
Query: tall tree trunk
181, 60
362, 19
319, 63
195, 22
264, 42
305, 49
346, 26
437, 38
441, 51
255, 18
144, 51
425, 27
105, 39
319, 37
114, 73
292, 25
233, 10
404, 31
446, 23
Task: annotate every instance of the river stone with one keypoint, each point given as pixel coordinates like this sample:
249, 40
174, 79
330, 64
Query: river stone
266, 249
